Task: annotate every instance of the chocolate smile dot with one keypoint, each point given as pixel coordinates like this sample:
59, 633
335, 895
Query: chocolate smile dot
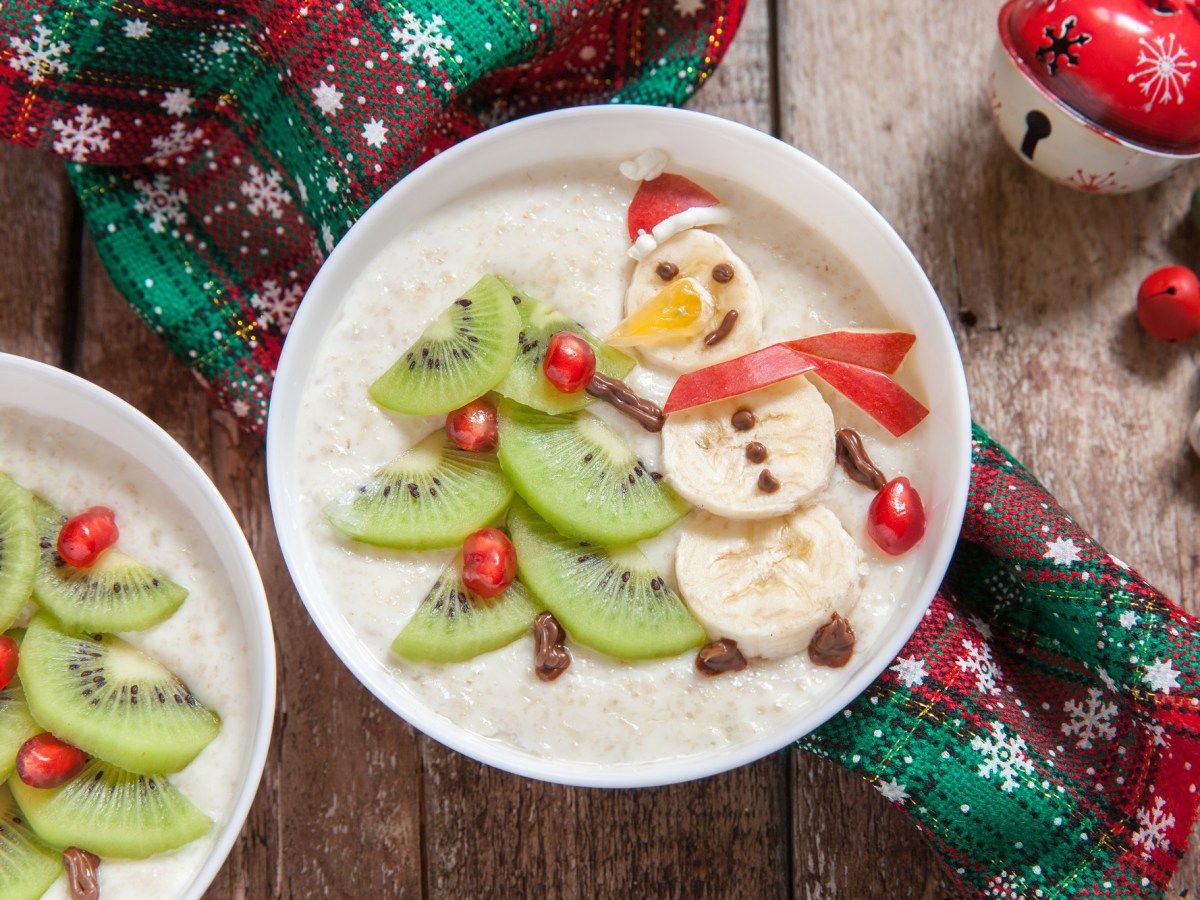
666, 270
742, 420
722, 273
767, 483
756, 452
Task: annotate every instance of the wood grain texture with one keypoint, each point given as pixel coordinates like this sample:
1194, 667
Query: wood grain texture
1038, 282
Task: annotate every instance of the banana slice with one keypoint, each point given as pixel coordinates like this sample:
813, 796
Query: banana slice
706, 259
758, 455
769, 585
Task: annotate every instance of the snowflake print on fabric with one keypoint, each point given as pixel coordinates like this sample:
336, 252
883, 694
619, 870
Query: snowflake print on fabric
178, 142
224, 49
979, 662
1128, 619
178, 102
1163, 70
328, 98
1153, 823
276, 304
1162, 676
981, 626
266, 193
136, 29
159, 202
896, 793
38, 55
82, 135
688, 7
423, 40
1002, 756
1090, 720
911, 671
1004, 886
374, 133
1062, 552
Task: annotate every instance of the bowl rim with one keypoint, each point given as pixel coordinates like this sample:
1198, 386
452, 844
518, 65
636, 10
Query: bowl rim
189, 484
1010, 49
289, 387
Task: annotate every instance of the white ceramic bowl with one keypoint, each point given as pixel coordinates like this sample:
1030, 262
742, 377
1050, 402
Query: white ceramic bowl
88, 428
697, 144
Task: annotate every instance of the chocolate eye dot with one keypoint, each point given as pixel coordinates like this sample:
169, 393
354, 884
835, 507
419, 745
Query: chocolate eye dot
666, 270
722, 273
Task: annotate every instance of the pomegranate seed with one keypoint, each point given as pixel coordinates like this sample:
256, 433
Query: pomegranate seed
1168, 304
489, 562
896, 519
570, 362
473, 427
9, 656
84, 537
46, 762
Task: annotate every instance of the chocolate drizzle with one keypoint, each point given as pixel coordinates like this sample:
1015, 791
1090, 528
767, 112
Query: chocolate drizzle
551, 658
80, 866
721, 332
720, 656
646, 413
833, 643
852, 456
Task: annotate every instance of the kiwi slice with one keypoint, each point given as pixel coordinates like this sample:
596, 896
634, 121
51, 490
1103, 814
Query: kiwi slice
111, 812
433, 495
581, 476
27, 866
16, 727
525, 382
610, 599
111, 700
453, 624
117, 593
462, 355
18, 549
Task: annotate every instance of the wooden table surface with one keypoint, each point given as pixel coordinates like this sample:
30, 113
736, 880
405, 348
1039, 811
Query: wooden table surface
1039, 284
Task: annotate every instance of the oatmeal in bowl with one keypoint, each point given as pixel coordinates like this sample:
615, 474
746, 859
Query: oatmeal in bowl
619, 446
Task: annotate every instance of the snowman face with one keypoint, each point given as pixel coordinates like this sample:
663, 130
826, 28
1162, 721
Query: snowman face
694, 282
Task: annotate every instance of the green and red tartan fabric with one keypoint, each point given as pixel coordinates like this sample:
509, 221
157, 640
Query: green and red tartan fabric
1041, 726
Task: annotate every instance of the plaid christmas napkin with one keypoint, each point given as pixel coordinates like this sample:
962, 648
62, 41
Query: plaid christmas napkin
1040, 727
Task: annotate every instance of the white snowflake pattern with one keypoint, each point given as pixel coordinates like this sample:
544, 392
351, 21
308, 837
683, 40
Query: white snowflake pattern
276, 304
1128, 619
328, 98
136, 29
1002, 756
327, 237
1161, 676
979, 662
688, 7
911, 671
896, 793
981, 626
178, 102
1062, 552
159, 202
266, 193
1153, 822
1158, 734
1090, 719
240, 408
1107, 679
1004, 886
1163, 70
225, 48
38, 55
374, 133
82, 135
422, 39
178, 142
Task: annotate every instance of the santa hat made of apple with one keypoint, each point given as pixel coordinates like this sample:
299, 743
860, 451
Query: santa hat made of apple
665, 204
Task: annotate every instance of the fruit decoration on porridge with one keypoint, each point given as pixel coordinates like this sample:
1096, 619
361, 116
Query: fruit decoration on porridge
550, 506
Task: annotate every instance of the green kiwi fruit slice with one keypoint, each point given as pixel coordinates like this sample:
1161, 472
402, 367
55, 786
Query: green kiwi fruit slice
461, 355
453, 624
16, 727
525, 382
111, 813
117, 593
433, 495
27, 866
111, 700
18, 549
581, 476
610, 599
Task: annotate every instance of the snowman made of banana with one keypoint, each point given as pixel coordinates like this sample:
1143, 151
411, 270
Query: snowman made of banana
767, 569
